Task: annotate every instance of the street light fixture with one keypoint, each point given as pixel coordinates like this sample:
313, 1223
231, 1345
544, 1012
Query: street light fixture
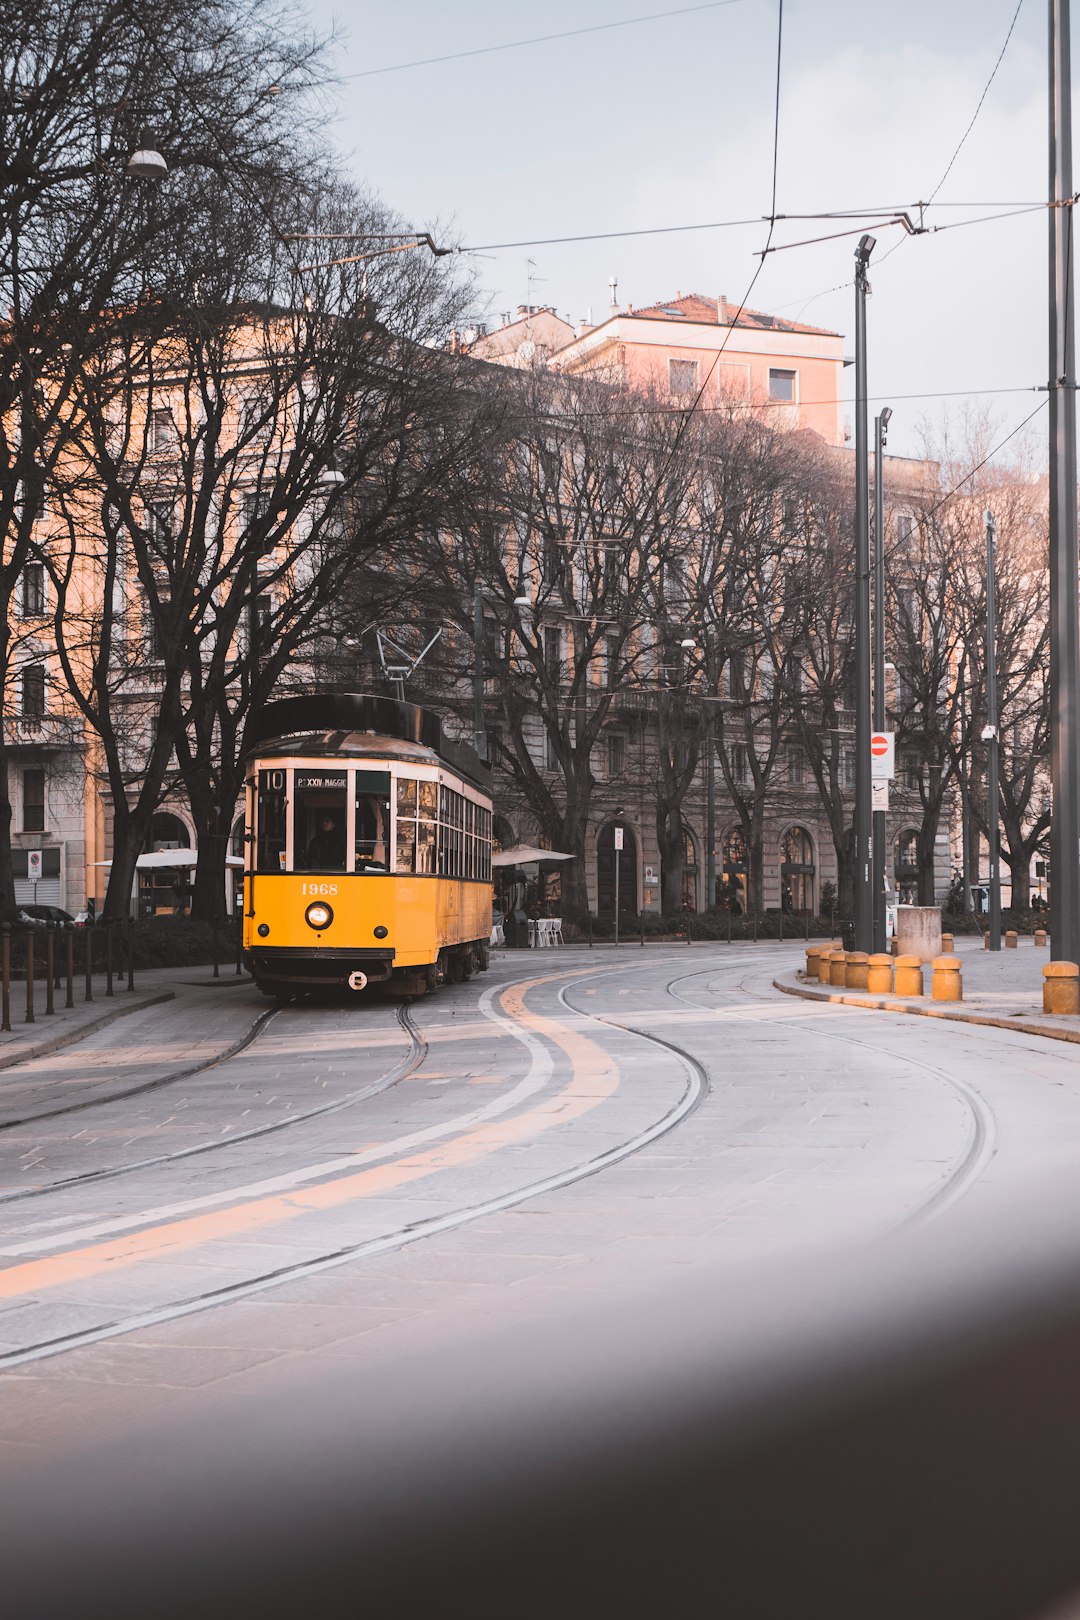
146, 162
331, 477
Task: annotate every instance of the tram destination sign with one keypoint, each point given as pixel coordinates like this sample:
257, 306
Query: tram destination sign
320, 779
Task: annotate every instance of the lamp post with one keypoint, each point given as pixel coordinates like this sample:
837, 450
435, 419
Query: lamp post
881, 423
522, 601
990, 737
1064, 582
864, 898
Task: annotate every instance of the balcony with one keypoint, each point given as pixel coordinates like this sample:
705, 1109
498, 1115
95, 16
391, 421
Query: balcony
42, 733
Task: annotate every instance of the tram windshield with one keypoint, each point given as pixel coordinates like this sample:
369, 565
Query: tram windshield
319, 825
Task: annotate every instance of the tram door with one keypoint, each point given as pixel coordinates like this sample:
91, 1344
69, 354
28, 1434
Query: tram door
605, 874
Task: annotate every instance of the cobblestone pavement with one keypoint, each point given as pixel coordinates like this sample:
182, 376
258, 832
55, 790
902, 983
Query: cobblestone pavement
359, 1184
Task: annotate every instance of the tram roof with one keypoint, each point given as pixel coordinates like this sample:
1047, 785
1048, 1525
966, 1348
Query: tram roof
362, 724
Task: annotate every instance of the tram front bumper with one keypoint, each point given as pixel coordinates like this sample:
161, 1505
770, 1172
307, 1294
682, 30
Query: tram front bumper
305, 964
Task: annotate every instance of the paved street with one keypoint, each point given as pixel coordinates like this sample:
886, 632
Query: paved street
359, 1182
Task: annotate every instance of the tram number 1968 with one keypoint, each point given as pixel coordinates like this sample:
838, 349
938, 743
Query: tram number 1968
321, 889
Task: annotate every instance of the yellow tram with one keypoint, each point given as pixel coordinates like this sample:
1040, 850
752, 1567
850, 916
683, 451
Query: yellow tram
368, 848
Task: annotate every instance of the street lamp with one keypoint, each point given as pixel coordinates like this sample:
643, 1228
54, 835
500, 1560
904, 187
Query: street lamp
331, 477
864, 896
881, 423
146, 162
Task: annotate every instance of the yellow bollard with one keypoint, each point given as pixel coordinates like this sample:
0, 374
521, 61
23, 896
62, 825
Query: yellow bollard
1040, 939
908, 976
813, 954
879, 975
838, 969
986, 940
946, 983
894, 947
948, 944
1061, 987
1010, 939
855, 973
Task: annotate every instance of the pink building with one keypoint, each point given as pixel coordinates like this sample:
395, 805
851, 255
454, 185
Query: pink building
675, 348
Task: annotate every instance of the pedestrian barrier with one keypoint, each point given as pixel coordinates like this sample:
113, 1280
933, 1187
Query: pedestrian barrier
1040, 939
909, 980
838, 969
813, 961
946, 983
1010, 939
948, 944
879, 974
855, 971
1061, 987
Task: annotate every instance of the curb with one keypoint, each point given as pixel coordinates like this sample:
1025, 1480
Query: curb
67, 1037
1021, 1025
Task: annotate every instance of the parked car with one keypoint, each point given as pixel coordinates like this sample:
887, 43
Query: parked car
41, 916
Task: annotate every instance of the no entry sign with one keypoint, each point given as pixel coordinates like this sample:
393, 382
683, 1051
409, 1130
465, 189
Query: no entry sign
882, 756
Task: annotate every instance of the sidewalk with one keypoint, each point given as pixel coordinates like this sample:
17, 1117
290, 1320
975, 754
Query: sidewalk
1001, 989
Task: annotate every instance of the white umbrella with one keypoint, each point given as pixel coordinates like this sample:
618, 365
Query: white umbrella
528, 855
156, 858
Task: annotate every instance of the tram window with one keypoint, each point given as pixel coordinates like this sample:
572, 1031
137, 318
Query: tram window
373, 821
425, 846
270, 850
319, 828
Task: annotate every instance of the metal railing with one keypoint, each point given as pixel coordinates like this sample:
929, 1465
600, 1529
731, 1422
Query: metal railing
893, 1435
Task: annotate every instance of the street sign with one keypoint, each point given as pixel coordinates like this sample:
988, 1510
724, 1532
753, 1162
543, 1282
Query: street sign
879, 795
618, 838
883, 755
33, 865
651, 878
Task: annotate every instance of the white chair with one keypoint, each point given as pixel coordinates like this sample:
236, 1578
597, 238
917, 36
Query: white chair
532, 933
498, 936
555, 925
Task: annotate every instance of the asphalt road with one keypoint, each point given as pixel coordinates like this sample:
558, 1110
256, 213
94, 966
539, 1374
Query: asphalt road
181, 1227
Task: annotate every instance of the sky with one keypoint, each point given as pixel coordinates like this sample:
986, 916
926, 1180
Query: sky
670, 123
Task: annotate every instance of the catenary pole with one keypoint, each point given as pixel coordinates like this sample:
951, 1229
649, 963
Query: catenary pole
1064, 592
881, 422
479, 727
993, 820
864, 895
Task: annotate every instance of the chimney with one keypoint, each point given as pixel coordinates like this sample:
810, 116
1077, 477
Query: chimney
613, 284
722, 310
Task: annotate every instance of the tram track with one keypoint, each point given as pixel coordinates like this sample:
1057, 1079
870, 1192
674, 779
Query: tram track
408, 1233
405, 1066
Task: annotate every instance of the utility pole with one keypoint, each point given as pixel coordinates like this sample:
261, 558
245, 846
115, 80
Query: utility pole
990, 737
864, 894
1064, 585
881, 423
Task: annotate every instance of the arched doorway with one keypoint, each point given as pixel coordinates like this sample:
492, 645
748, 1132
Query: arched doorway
502, 833
734, 889
605, 872
164, 889
168, 832
907, 868
797, 872
689, 872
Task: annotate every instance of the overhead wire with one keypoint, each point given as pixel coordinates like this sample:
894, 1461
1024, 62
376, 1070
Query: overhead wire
538, 39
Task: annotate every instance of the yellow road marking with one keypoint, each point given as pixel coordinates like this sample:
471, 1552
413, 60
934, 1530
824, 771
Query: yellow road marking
595, 1078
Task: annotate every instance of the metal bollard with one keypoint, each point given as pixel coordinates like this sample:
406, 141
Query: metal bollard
879, 974
130, 953
590, 930
908, 976
50, 963
641, 926
855, 970
108, 958
217, 948
88, 994
946, 982
755, 927
69, 1000
239, 946
729, 925
30, 976
689, 936
1010, 939
5, 975
1061, 987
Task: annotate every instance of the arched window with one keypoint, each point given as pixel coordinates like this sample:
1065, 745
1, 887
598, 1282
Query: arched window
689, 871
502, 833
907, 867
608, 860
797, 871
735, 876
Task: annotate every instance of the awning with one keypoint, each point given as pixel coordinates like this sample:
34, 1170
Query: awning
154, 859
528, 855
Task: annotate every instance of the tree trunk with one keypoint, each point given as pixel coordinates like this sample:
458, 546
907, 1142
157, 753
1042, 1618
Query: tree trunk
669, 838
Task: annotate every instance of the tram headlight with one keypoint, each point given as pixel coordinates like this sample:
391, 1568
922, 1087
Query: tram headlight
318, 915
